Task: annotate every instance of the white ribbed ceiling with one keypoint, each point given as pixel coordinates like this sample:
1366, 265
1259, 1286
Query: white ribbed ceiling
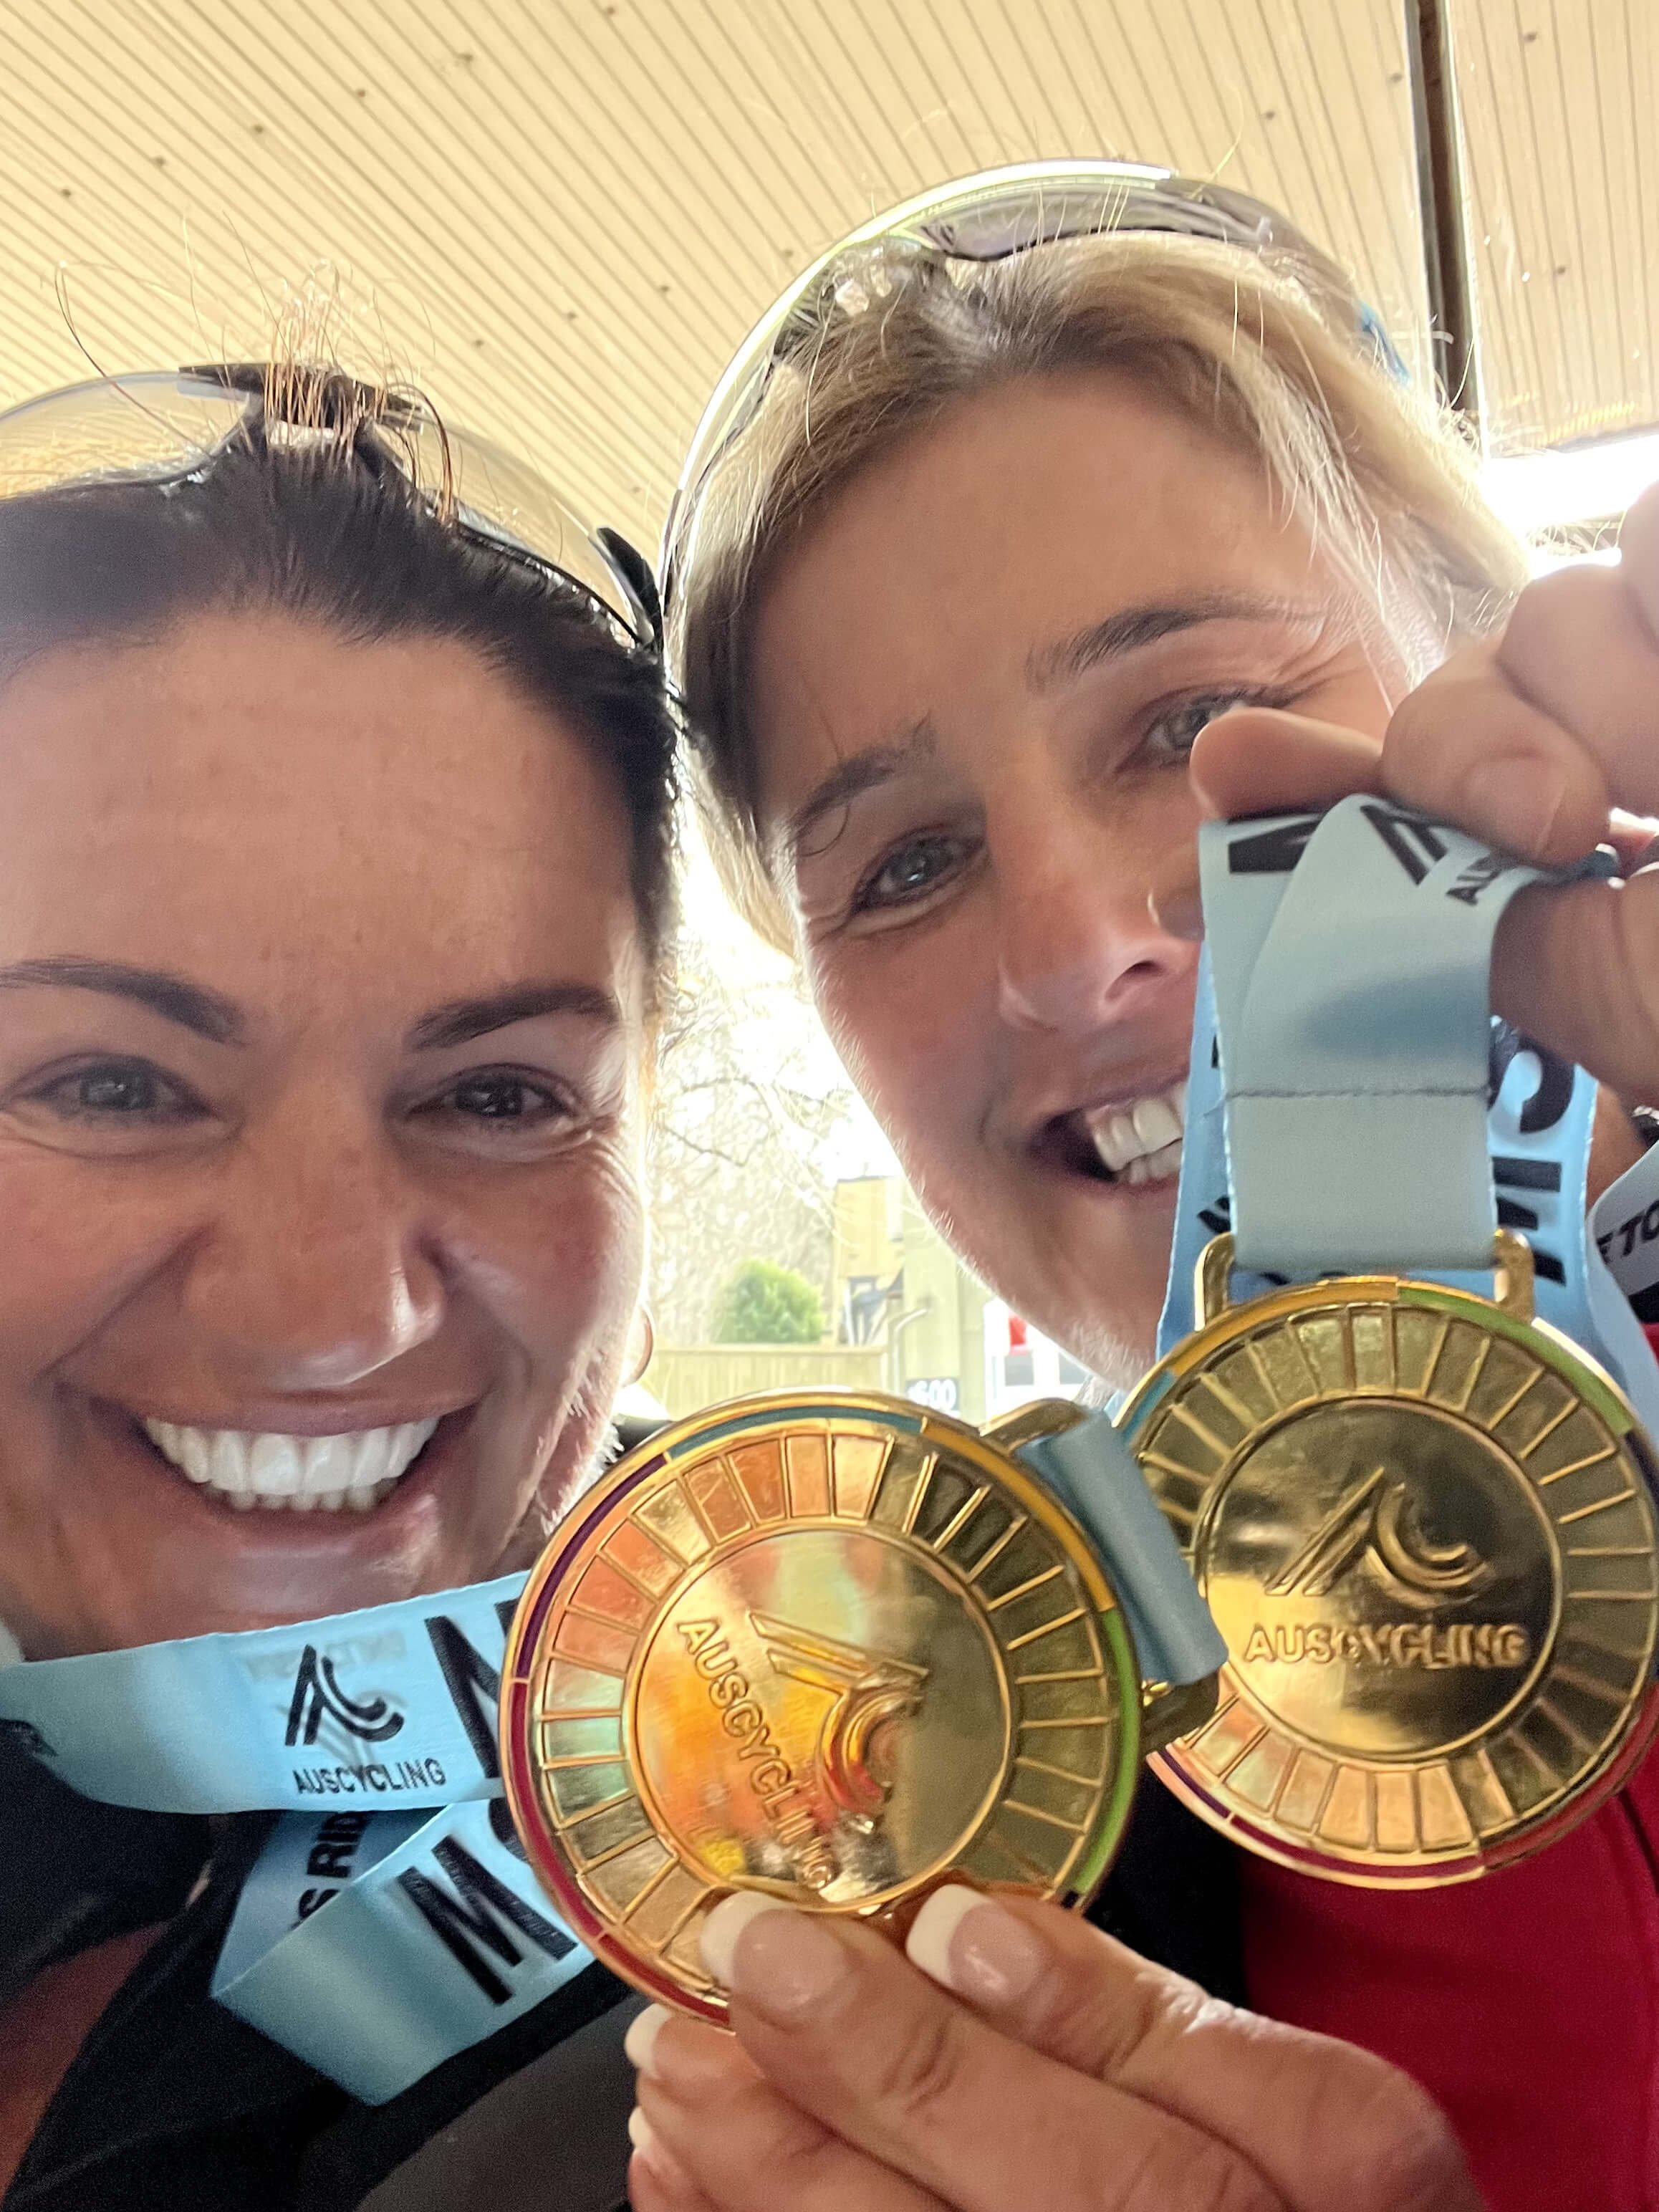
561, 215
1561, 110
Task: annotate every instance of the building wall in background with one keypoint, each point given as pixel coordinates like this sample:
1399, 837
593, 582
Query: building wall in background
684, 1378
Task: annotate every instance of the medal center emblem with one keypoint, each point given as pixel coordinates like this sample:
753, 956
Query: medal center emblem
817, 1708
1384, 1576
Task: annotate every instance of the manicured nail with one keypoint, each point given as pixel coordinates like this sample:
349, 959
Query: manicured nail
642, 2134
972, 1947
642, 2033
1515, 802
782, 1961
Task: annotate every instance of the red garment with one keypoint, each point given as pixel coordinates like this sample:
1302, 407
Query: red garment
1526, 2003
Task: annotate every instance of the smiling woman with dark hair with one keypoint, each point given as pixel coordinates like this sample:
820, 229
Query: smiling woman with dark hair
335, 895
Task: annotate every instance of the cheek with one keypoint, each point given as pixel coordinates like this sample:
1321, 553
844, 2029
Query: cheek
914, 1019
82, 1238
559, 1265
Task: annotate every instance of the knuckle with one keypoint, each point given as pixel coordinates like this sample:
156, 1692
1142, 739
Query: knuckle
1120, 2021
1204, 2178
1552, 613
1416, 750
1402, 2153
924, 2077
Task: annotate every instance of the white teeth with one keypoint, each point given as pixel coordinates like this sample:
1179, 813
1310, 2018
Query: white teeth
295, 1474
1141, 1142
1152, 1167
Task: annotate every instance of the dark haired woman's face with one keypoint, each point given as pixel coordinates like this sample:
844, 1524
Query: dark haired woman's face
976, 682
321, 1033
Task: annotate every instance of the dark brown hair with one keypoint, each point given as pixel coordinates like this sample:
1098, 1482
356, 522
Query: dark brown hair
319, 534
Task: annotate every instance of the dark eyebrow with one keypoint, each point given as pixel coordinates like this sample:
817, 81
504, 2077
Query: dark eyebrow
466, 1018
1132, 627
859, 772
191, 1005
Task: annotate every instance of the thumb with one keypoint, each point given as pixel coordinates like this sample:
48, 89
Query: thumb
1321, 2122
1257, 760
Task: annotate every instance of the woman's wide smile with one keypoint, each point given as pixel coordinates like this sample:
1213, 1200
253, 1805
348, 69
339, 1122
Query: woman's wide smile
324, 1164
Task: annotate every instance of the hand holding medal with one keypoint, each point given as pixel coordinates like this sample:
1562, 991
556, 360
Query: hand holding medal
838, 1653
1532, 739
1424, 1521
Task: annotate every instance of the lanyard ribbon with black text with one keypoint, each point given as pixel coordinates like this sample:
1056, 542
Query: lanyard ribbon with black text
1425, 1523
375, 1734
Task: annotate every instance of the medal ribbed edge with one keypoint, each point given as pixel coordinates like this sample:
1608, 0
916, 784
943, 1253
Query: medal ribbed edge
1177, 1767
575, 1539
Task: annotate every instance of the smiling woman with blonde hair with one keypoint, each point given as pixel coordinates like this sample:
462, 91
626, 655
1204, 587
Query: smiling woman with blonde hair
1046, 515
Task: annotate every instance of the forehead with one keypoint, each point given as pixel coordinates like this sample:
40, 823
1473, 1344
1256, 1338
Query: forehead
254, 791
1023, 513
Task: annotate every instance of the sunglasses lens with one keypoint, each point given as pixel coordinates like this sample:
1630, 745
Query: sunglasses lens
986, 218
143, 427
160, 427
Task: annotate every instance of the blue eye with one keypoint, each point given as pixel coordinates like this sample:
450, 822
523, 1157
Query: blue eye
911, 870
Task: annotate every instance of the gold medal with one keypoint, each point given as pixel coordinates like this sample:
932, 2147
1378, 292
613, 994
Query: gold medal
838, 1651
1423, 1525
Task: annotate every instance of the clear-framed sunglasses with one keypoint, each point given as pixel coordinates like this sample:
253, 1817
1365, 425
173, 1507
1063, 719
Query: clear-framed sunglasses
164, 426
986, 218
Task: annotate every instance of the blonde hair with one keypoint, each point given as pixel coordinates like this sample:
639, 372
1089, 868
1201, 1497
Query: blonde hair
1263, 349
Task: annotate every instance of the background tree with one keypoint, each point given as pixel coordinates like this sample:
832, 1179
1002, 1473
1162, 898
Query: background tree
752, 1114
764, 1303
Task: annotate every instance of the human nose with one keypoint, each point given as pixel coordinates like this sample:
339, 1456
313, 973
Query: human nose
315, 1272
1077, 943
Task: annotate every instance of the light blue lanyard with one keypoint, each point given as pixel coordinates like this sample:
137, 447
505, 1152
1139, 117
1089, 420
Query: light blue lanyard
1371, 1116
1356, 1133
436, 1933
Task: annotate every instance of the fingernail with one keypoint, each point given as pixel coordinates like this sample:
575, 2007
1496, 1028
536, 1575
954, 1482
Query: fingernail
642, 2033
1515, 802
972, 1947
779, 1961
1177, 910
642, 2134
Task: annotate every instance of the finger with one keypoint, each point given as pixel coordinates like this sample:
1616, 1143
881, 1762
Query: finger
1578, 649
742, 2144
1639, 556
1635, 838
1468, 747
1257, 759
853, 2035
1066, 1990
1254, 761
1577, 967
656, 2180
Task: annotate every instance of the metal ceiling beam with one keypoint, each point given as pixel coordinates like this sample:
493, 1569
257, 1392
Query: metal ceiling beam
1440, 187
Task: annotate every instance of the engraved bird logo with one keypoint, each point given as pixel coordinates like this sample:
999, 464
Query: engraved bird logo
868, 1690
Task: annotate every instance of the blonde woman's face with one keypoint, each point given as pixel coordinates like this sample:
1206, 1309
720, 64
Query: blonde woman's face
975, 685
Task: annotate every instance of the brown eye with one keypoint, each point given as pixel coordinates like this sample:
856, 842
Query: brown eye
118, 1090
497, 1097
503, 1102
